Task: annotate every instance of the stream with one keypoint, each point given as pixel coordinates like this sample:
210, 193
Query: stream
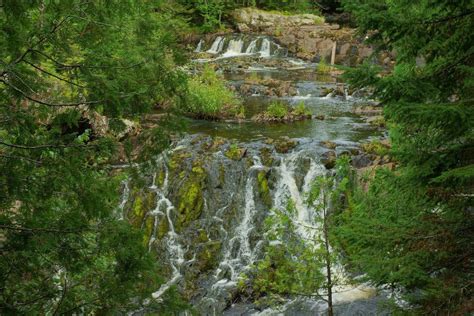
204, 208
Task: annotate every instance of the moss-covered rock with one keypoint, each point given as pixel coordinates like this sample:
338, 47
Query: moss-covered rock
191, 201
207, 258
266, 156
263, 188
163, 228
285, 144
235, 153
148, 230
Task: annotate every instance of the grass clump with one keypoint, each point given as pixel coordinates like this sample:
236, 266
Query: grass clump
323, 67
300, 109
277, 110
208, 97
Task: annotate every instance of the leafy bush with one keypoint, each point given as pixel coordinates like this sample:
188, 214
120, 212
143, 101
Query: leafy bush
323, 67
208, 97
300, 109
277, 109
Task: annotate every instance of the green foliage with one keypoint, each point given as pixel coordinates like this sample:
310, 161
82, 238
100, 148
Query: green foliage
209, 15
323, 67
300, 109
298, 253
277, 109
208, 97
424, 207
63, 65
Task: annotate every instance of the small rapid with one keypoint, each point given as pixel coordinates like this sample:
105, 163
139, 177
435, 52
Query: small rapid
206, 209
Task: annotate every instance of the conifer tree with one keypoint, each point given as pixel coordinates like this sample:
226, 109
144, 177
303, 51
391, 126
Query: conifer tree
413, 228
62, 248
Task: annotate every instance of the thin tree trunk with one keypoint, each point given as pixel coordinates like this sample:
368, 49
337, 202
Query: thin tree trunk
328, 258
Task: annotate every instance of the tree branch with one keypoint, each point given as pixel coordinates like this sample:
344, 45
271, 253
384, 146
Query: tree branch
47, 146
43, 230
47, 103
52, 75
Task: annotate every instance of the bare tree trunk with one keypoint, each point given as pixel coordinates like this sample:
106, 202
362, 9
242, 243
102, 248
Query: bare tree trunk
328, 257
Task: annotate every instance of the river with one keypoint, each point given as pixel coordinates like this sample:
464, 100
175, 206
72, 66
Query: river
206, 208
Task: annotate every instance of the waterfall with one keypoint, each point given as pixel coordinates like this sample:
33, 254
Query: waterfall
124, 200
234, 48
265, 50
217, 45
174, 248
199, 46
237, 262
252, 48
288, 189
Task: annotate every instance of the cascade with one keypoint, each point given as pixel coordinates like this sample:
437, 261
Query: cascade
199, 46
252, 48
234, 48
265, 50
217, 45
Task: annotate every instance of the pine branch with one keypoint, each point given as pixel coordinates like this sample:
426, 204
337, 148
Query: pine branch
52, 75
47, 103
47, 146
43, 230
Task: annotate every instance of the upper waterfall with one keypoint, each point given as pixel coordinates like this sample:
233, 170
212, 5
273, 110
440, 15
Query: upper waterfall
242, 45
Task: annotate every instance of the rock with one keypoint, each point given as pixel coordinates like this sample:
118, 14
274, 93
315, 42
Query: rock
329, 159
328, 144
284, 144
361, 161
378, 121
367, 110
320, 117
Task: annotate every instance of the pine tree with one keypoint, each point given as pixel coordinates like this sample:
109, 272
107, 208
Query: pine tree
413, 228
63, 250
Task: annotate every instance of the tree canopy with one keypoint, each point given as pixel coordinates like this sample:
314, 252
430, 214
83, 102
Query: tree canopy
63, 63
413, 228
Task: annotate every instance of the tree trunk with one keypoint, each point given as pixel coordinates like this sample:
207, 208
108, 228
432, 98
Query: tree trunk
328, 256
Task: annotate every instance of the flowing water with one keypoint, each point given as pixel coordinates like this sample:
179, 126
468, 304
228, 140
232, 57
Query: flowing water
207, 208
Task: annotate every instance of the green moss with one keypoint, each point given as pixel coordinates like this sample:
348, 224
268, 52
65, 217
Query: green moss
234, 152
207, 258
221, 174
163, 228
266, 156
177, 159
202, 237
191, 201
376, 147
149, 224
161, 178
263, 188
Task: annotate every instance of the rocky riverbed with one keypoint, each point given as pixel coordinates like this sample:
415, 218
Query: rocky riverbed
203, 206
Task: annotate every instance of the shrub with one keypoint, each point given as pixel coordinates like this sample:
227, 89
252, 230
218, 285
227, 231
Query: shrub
208, 97
323, 67
300, 109
277, 109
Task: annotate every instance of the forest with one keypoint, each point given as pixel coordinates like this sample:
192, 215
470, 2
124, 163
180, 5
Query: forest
251, 157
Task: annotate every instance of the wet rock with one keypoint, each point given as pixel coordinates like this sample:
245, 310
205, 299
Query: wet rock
328, 144
328, 159
377, 121
284, 144
361, 161
320, 117
368, 110
235, 153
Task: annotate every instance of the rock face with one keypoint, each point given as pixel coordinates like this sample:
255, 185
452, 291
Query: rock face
307, 36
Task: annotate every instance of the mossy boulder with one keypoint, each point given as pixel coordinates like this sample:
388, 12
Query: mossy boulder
207, 257
284, 144
143, 202
191, 201
235, 152
263, 188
